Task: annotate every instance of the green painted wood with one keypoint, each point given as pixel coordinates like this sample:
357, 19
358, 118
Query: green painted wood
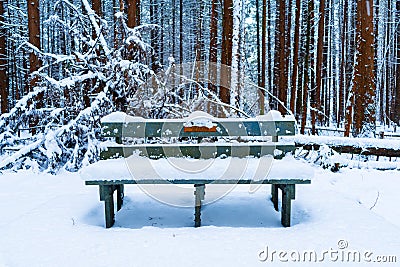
175, 128
274, 196
106, 195
287, 195
120, 196
109, 212
287, 181
198, 151
199, 197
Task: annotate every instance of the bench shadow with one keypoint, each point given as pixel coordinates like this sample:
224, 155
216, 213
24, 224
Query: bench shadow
231, 211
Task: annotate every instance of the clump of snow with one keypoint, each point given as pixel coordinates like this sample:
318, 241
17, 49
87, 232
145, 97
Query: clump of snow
200, 119
199, 115
274, 115
200, 123
114, 117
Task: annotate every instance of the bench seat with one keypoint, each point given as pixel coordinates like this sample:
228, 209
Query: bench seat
222, 171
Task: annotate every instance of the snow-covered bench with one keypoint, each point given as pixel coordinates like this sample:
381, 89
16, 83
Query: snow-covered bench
198, 150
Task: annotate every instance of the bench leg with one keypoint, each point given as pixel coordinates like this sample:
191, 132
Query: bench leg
274, 196
106, 195
199, 197
120, 196
288, 193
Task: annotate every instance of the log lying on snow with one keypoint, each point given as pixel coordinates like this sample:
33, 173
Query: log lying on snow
370, 151
360, 146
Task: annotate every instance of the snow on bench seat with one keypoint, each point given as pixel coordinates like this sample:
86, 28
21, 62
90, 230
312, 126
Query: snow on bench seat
228, 170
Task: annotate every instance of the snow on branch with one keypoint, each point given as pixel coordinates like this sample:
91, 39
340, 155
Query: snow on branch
96, 27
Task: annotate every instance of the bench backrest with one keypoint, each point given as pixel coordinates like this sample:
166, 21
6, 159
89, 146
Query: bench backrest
196, 126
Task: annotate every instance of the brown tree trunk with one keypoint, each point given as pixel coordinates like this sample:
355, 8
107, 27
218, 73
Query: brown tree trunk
34, 60
155, 44
397, 96
319, 67
296, 44
342, 73
119, 33
213, 51
181, 91
133, 13
263, 56
34, 36
96, 6
226, 55
3, 64
364, 76
307, 58
258, 44
181, 32
280, 70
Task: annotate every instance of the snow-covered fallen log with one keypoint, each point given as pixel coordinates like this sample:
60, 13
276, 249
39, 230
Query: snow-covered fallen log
360, 146
336, 152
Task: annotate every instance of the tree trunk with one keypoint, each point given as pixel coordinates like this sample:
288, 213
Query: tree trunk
34, 60
342, 73
397, 96
213, 54
237, 41
296, 44
155, 44
34, 36
133, 13
226, 55
319, 67
97, 7
280, 70
263, 56
364, 80
3, 64
258, 44
306, 89
173, 28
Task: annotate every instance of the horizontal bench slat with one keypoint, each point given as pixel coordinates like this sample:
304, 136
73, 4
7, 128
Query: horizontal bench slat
199, 181
176, 129
198, 151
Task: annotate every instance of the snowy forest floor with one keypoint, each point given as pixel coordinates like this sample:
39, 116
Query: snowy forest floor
58, 221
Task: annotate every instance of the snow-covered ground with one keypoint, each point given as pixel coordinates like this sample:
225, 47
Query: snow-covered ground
58, 221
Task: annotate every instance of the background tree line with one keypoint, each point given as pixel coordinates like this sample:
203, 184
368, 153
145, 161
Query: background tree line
332, 63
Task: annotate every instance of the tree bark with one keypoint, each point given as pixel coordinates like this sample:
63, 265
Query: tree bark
296, 45
3, 64
397, 96
97, 7
342, 73
319, 67
34, 60
280, 70
307, 58
263, 56
34, 36
213, 51
364, 76
226, 55
133, 13
155, 43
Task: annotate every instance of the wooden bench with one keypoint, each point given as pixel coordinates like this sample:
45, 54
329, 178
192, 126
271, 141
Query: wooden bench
199, 136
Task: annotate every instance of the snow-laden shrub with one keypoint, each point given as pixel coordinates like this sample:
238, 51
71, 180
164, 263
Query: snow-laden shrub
74, 91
